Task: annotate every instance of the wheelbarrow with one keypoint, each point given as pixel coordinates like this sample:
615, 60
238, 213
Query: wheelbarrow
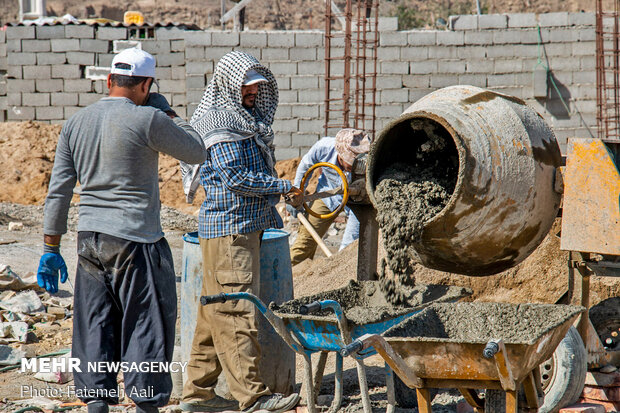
472, 346
320, 324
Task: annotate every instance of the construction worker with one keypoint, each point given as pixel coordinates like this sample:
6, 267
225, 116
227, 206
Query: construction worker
241, 189
340, 151
125, 302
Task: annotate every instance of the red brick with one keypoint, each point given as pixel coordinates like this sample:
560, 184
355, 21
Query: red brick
583, 408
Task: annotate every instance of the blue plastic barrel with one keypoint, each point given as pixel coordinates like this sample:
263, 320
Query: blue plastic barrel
277, 366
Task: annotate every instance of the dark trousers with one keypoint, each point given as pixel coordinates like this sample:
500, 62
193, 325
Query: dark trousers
125, 308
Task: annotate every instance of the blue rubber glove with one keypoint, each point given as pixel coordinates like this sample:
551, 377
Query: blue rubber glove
51, 262
159, 102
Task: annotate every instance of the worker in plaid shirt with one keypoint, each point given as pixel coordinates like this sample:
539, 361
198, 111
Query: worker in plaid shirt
241, 190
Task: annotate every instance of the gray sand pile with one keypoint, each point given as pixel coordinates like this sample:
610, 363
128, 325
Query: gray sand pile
364, 302
481, 322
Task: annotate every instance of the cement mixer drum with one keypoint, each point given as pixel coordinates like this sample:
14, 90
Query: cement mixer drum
503, 203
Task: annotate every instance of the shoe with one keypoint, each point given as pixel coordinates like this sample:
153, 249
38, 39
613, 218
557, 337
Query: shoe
216, 404
274, 403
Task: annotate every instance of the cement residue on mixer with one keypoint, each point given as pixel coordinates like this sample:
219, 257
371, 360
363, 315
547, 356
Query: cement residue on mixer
481, 322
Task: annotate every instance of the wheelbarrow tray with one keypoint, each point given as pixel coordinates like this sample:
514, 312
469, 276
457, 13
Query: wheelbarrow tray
320, 332
443, 349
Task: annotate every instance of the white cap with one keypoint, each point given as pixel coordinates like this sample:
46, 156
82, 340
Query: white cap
252, 76
141, 62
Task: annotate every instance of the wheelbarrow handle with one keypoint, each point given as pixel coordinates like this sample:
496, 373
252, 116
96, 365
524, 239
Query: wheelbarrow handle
212, 299
313, 307
354, 347
491, 349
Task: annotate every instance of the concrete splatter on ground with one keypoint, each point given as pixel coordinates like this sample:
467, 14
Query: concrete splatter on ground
481, 322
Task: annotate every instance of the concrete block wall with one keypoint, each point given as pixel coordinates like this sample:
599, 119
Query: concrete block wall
52, 71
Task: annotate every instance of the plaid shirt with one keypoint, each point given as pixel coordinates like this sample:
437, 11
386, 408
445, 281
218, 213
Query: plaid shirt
240, 191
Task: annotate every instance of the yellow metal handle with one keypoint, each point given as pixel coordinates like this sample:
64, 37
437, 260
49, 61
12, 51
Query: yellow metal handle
345, 189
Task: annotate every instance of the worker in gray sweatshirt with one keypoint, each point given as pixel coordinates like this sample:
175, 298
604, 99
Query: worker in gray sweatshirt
125, 302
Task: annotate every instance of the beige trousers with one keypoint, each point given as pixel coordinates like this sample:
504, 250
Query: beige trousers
226, 338
305, 246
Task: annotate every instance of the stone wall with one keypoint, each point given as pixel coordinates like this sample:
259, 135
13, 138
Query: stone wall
53, 71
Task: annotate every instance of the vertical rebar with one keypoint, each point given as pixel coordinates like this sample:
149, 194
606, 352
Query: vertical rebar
347, 65
328, 36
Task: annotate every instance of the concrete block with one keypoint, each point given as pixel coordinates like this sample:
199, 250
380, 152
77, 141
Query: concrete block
523, 36
310, 126
451, 66
275, 54
586, 92
73, 31
81, 58
443, 52
50, 58
168, 33
93, 45
307, 139
480, 66
413, 53
283, 68
178, 73
85, 99
507, 79
416, 81
50, 32
450, 38
71, 110
397, 68
284, 83
388, 110
20, 113
284, 111
286, 153
19, 85
105, 59
15, 72
191, 108
195, 53
386, 24
36, 45
584, 48
156, 47
111, 33
4, 64
280, 39
553, 19
66, 72
582, 19
178, 99
493, 21
311, 68
587, 63
22, 59
586, 35
478, 38
422, 68
563, 64
49, 85
309, 39
100, 86
64, 99
290, 96
304, 82
120, 45
177, 45
522, 20
36, 99
14, 99
282, 140
163, 73
465, 22
172, 86
194, 96
36, 72
285, 125
302, 54
305, 111
77, 85
197, 38
225, 38
471, 52
507, 66
479, 80
65, 45
96, 72
215, 53
198, 68
170, 59
421, 37
49, 113
394, 96
20, 32
526, 50
252, 51
441, 80
253, 39
13, 46
561, 35
500, 51
3, 36
393, 39
181, 111
388, 53
580, 77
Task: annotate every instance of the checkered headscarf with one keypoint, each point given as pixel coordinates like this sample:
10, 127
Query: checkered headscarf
221, 117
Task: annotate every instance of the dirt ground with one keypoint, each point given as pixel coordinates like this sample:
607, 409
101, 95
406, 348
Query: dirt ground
284, 14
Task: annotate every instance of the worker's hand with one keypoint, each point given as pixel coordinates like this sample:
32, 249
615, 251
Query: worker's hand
292, 210
50, 264
159, 102
294, 197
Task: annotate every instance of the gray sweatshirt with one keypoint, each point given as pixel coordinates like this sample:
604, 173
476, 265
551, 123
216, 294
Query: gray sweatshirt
111, 148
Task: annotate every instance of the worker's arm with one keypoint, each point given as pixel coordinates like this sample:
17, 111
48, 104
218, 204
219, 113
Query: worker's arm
351, 231
230, 160
173, 136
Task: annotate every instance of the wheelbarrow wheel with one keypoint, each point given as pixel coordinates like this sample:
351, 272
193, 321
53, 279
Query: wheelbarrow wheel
406, 398
563, 377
